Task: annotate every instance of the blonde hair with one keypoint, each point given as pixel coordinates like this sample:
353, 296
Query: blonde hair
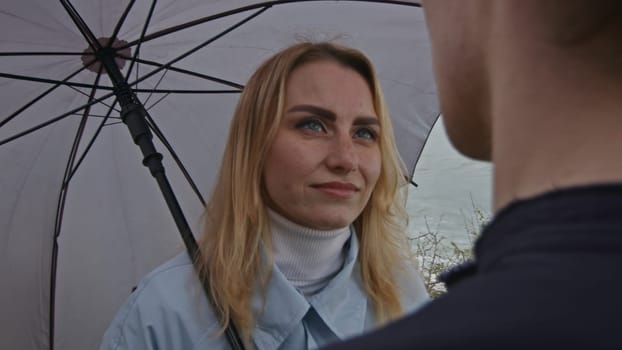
236, 225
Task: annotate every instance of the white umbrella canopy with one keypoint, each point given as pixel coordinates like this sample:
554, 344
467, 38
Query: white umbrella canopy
81, 220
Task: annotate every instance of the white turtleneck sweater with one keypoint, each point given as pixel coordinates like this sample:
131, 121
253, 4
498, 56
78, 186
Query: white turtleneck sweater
308, 258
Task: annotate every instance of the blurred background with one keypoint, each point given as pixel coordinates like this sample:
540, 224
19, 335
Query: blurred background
448, 208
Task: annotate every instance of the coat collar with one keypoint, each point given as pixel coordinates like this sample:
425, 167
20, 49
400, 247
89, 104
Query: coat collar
341, 305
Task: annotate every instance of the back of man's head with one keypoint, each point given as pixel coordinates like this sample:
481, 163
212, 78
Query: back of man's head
534, 86
574, 23
556, 82
589, 30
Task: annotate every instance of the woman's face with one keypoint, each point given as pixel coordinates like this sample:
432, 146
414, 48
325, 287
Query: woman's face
325, 160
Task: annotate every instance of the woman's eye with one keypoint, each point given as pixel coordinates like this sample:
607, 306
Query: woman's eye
365, 133
311, 124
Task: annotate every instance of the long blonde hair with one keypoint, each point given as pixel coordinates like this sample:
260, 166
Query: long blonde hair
236, 224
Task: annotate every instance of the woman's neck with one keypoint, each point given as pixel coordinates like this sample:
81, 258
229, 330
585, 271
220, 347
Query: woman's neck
308, 258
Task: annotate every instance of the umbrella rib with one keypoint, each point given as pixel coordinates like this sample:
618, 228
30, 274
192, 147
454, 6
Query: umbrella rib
54, 120
89, 96
263, 5
200, 46
36, 99
89, 145
102, 87
92, 115
176, 91
113, 123
41, 53
122, 19
61, 207
164, 32
81, 25
412, 171
156, 102
52, 81
70, 170
156, 130
189, 72
170, 68
142, 35
156, 85
26, 20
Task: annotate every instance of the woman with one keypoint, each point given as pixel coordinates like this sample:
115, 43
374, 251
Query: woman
304, 238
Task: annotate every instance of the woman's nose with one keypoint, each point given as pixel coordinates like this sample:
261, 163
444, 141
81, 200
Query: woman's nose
342, 156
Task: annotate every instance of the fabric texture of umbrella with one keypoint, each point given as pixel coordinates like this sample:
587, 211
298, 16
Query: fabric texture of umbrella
81, 220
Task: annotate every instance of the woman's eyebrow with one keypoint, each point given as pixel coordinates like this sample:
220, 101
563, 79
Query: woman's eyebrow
315, 110
366, 121
327, 114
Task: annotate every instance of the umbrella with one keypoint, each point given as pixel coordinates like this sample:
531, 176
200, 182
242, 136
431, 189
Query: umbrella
80, 220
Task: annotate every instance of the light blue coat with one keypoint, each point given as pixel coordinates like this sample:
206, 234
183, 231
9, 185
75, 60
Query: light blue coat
169, 311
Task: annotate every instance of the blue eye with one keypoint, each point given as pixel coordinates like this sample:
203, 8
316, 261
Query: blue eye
365, 133
311, 124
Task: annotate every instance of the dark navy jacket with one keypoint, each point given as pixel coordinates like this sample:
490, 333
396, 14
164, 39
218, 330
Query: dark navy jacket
548, 275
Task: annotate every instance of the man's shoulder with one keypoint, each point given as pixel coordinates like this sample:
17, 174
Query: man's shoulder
505, 310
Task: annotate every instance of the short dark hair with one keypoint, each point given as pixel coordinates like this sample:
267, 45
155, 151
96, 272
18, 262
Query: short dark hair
575, 22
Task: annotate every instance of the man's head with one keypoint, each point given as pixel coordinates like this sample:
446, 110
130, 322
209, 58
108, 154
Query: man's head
472, 40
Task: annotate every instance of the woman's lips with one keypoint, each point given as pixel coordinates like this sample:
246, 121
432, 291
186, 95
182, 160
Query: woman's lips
337, 189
